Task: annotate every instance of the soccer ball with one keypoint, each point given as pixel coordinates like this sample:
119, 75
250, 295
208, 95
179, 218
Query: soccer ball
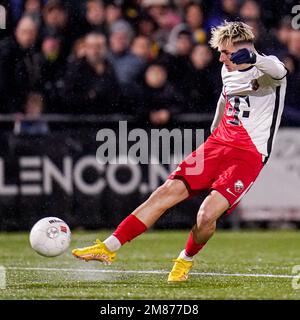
50, 237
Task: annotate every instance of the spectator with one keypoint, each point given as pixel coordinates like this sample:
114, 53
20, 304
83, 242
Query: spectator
198, 83
147, 26
90, 83
78, 50
162, 12
266, 42
194, 18
294, 44
205, 5
131, 10
142, 47
30, 122
56, 21
161, 101
165, 17
55, 17
177, 56
291, 112
292, 62
95, 17
182, 5
113, 13
128, 66
284, 30
18, 69
273, 10
250, 10
228, 10
51, 66
139, 32
33, 8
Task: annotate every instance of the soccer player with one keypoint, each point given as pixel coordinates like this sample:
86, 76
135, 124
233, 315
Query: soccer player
247, 118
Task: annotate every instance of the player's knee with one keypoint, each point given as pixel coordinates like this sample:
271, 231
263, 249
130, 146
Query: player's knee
206, 217
168, 189
165, 194
161, 194
163, 191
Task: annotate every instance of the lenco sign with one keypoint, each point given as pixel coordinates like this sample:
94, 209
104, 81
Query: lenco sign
39, 175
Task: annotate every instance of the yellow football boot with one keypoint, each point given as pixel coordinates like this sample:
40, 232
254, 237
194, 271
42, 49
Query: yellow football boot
97, 252
180, 270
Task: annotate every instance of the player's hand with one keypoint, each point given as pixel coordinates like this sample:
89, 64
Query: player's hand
243, 56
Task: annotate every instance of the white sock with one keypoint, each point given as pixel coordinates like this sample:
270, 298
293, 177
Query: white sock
183, 256
112, 243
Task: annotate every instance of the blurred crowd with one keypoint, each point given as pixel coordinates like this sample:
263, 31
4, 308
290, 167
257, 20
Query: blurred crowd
149, 58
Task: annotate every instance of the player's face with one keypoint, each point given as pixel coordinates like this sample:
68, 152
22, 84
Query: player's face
225, 53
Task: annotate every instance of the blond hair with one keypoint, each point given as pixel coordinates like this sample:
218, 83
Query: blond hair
231, 32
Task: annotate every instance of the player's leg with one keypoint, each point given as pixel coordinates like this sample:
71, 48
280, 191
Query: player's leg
163, 198
142, 218
236, 174
173, 191
214, 205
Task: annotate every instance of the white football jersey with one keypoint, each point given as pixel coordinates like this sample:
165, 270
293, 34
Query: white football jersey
254, 101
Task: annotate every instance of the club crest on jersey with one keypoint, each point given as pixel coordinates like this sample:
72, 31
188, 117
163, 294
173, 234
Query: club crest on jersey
254, 84
238, 186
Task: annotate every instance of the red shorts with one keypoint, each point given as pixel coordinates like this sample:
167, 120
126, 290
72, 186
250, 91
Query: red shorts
213, 166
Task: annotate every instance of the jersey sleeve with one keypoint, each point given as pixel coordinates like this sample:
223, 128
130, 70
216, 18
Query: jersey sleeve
272, 66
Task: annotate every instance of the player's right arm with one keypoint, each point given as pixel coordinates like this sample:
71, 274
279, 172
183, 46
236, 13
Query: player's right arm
219, 112
269, 65
272, 66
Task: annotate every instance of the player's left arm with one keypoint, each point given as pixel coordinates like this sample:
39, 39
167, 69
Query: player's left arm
219, 112
267, 64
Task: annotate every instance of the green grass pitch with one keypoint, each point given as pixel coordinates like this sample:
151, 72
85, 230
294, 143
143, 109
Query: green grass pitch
228, 268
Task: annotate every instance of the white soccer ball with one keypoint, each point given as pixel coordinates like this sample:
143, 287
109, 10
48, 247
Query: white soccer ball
50, 237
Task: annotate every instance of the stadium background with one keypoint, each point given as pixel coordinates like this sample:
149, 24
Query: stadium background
156, 71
